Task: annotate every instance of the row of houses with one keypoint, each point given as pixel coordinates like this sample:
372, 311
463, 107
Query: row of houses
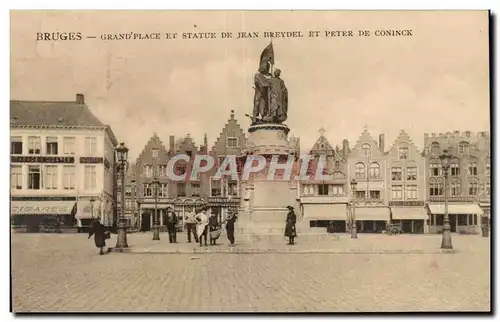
63, 170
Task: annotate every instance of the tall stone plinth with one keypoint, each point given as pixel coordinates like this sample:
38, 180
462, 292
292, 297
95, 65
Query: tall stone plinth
263, 208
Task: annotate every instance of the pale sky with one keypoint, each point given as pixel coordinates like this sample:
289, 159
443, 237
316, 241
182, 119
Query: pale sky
434, 81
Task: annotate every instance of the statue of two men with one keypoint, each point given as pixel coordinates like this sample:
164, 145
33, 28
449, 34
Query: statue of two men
271, 96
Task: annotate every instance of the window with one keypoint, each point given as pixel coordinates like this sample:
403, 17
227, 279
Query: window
180, 169
366, 150
216, 189
435, 169
374, 170
16, 145
90, 146
463, 148
473, 168
69, 145
69, 177
232, 142
411, 173
34, 178
455, 169
148, 171
487, 188
338, 190
90, 177
128, 190
411, 192
456, 188
181, 189
128, 204
360, 194
435, 148
194, 189
403, 153
162, 170
397, 192
397, 174
308, 190
360, 171
51, 177
337, 164
473, 188
163, 192
148, 190
155, 153
34, 145
16, 177
51, 145
375, 194
232, 188
435, 189
323, 189
487, 170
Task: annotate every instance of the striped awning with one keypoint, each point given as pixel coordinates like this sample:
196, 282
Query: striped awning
41, 207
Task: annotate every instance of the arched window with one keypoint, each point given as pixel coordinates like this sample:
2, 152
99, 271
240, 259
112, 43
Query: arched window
455, 167
374, 170
463, 147
435, 168
473, 187
366, 150
360, 171
435, 148
456, 187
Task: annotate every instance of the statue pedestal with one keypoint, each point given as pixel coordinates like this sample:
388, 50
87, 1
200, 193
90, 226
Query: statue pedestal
264, 205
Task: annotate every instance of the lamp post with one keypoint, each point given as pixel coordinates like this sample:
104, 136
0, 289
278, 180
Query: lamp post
121, 158
92, 200
354, 232
445, 162
156, 226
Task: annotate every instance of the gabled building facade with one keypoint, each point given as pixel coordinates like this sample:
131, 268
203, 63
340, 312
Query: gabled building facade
469, 179
62, 157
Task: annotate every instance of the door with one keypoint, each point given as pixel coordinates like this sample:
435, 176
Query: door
453, 223
146, 222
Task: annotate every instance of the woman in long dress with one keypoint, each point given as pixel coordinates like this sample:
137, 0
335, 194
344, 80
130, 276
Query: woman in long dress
98, 231
290, 231
202, 225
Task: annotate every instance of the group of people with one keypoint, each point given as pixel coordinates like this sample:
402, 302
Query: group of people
201, 226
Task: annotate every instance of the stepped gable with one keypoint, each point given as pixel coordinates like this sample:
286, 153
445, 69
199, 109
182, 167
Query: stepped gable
403, 137
146, 155
231, 129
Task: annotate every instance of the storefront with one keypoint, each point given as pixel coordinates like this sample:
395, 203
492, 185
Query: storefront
324, 215
43, 214
371, 219
411, 216
222, 206
464, 217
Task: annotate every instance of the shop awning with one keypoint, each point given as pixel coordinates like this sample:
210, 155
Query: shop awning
372, 213
42, 207
409, 213
84, 210
456, 209
325, 212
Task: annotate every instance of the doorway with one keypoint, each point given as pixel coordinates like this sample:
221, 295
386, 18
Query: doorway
146, 222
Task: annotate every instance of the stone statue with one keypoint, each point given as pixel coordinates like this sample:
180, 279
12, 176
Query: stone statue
271, 94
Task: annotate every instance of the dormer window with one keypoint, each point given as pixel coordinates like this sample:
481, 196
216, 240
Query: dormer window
463, 148
403, 153
366, 150
435, 148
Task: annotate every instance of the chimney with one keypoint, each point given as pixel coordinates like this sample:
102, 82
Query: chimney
381, 139
172, 145
232, 114
80, 99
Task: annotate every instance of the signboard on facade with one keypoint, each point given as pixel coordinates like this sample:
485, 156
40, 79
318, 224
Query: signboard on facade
91, 160
409, 203
61, 208
41, 159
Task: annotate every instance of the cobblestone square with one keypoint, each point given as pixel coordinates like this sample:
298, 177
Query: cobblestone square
64, 273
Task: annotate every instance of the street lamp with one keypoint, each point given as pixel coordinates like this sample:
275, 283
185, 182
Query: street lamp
92, 200
354, 232
445, 162
156, 226
121, 157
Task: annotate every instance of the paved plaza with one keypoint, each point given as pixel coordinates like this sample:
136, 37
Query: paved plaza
64, 273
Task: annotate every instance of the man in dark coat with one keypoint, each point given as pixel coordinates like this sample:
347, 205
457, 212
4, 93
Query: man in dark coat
97, 229
213, 225
171, 225
230, 228
290, 232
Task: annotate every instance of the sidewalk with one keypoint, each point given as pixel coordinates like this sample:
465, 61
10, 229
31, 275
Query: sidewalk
142, 243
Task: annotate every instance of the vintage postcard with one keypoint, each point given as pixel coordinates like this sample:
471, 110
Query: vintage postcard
250, 161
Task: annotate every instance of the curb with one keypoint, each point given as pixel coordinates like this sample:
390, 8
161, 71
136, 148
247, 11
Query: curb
271, 251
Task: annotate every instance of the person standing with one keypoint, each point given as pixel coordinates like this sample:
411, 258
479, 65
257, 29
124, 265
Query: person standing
290, 231
191, 225
171, 225
97, 229
202, 225
213, 225
230, 227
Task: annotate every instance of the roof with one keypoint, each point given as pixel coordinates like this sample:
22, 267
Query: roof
52, 113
